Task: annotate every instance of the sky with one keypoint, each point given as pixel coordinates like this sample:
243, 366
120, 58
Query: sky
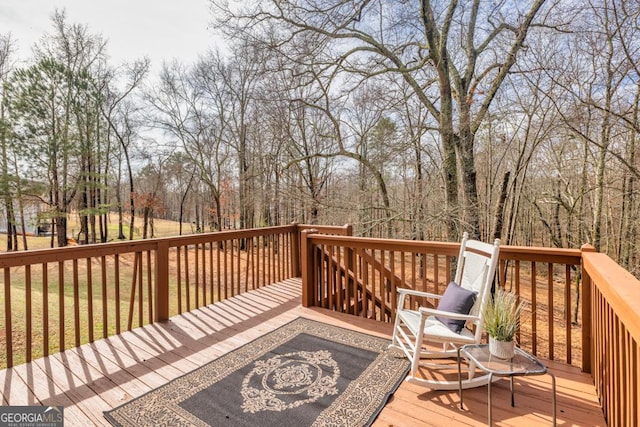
159, 29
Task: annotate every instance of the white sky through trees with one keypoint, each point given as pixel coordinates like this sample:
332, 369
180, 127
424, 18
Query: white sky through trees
159, 29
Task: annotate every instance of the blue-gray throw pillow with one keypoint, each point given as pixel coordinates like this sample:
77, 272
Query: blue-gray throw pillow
456, 299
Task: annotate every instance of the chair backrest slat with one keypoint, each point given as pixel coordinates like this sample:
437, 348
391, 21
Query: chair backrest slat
475, 271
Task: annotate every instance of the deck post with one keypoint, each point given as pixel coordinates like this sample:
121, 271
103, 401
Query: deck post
295, 248
162, 281
307, 268
348, 231
586, 312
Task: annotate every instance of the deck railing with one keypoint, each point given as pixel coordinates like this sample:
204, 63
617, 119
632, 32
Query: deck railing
581, 306
612, 335
55, 299
361, 276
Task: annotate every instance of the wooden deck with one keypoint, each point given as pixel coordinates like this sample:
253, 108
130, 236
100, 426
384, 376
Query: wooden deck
99, 376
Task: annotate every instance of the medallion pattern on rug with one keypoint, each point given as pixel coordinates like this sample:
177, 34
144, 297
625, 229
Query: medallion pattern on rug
300, 373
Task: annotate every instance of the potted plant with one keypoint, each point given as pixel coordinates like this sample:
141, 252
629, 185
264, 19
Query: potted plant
501, 321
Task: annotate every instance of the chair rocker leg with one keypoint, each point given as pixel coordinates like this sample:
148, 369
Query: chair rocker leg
437, 354
449, 385
470, 381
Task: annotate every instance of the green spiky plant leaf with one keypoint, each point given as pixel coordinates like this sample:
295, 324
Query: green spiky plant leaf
502, 315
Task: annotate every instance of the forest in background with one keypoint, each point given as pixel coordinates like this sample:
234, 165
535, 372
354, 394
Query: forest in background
408, 119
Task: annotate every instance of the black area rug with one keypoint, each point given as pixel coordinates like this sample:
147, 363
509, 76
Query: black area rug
304, 373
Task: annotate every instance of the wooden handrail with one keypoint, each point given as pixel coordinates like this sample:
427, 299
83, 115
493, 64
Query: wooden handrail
618, 286
344, 230
613, 336
512, 253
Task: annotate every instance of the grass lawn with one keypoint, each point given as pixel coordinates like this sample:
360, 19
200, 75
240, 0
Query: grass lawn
162, 228
89, 314
100, 311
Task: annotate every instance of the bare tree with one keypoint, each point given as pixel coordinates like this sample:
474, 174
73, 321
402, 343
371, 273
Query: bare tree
237, 78
441, 50
122, 116
604, 60
190, 107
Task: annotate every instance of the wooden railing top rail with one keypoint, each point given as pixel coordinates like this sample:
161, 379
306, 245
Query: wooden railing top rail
37, 256
540, 254
443, 248
219, 236
619, 287
341, 230
521, 253
338, 234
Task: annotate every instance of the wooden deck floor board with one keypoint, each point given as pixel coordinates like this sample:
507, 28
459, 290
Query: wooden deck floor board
111, 374
104, 374
44, 391
72, 386
112, 390
19, 383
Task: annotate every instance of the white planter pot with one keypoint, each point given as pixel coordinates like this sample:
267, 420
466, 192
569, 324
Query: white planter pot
501, 349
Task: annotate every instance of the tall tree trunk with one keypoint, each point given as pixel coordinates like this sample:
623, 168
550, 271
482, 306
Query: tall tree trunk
198, 220
84, 202
451, 188
93, 207
146, 212
132, 208
218, 205
276, 198
60, 214
363, 214
120, 207
499, 218
556, 218
22, 225
84, 218
599, 202
245, 184
417, 225
6, 187
182, 202
600, 172
583, 229
20, 199
603, 145
469, 175
61, 227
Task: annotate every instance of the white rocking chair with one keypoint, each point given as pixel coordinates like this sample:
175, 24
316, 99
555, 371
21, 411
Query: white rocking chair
475, 271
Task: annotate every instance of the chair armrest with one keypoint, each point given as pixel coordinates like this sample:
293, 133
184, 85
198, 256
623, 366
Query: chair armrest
412, 292
448, 314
